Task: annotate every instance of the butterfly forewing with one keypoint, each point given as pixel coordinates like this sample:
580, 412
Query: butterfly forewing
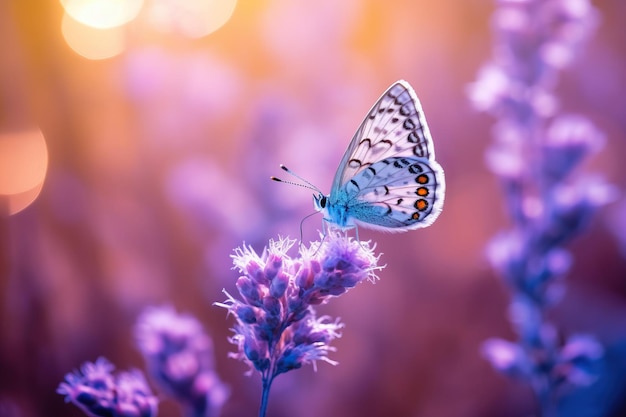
394, 127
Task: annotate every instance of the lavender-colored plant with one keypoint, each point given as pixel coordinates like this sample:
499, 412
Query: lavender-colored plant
277, 328
179, 356
535, 155
99, 393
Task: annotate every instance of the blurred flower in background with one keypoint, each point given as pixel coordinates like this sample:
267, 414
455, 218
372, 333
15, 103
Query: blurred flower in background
179, 356
98, 392
535, 155
137, 139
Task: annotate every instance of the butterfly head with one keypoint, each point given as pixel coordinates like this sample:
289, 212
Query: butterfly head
320, 201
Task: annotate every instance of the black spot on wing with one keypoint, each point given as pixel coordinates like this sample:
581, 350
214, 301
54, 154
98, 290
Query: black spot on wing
418, 150
415, 169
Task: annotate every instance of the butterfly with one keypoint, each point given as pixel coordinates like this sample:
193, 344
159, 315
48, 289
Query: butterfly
388, 178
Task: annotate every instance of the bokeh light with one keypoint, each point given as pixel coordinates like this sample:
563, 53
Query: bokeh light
191, 18
91, 42
102, 14
23, 166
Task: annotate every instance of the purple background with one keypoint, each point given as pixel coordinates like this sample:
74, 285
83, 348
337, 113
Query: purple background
159, 166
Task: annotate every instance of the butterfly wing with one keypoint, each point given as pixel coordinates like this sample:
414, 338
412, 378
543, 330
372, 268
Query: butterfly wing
395, 126
396, 194
388, 178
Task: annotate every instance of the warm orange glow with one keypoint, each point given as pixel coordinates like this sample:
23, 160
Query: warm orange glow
14, 203
93, 43
191, 18
102, 14
23, 166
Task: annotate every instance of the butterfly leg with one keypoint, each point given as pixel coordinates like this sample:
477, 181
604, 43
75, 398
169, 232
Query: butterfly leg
301, 233
356, 232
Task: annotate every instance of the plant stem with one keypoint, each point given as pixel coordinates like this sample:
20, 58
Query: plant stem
267, 383
547, 406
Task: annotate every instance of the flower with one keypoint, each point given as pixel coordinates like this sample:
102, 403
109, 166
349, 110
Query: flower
275, 321
99, 393
534, 155
580, 359
546, 363
569, 139
179, 355
277, 329
531, 265
507, 357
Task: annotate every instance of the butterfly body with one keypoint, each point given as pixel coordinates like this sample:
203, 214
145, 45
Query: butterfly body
388, 178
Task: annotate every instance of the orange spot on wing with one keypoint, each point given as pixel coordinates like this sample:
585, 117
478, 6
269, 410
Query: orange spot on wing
422, 191
422, 179
421, 205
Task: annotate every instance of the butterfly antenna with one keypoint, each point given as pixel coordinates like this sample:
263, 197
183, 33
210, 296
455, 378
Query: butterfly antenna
306, 184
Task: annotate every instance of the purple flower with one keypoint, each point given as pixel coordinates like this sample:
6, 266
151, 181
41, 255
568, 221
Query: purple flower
99, 393
507, 357
547, 365
580, 359
277, 329
569, 139
573, 205
179, 356
534, 39
535, 155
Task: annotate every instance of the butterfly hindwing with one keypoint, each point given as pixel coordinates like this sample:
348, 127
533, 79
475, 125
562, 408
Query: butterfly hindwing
395, 194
